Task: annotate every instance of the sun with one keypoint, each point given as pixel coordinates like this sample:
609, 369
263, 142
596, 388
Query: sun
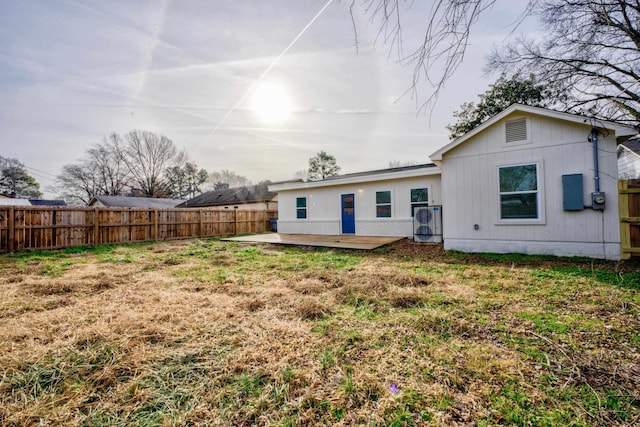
271, 102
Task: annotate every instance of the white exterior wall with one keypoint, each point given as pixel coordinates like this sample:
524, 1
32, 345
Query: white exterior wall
324, 207
470, 192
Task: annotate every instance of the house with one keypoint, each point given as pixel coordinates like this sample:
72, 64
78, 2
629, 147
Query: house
536, 181
248, 197
629, 159
374, 203
8, 201
134, 202
47, 202
528, 180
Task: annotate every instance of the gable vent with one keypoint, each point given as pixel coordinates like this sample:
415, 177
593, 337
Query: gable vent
516, 130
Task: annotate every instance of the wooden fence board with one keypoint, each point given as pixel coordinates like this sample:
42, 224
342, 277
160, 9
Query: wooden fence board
629, 203
30, 228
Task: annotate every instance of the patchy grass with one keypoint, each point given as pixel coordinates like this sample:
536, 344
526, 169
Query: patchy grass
209, 333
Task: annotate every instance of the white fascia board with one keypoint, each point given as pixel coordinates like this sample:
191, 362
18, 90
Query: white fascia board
356, 179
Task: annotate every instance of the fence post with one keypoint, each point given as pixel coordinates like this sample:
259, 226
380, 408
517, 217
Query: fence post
155, 224
96, 226
12, 229
200, 233
235, 221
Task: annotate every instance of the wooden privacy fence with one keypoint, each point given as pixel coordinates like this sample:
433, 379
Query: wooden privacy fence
629, 200
29, 227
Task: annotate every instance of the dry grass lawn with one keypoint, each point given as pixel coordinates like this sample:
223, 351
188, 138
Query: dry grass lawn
209, 333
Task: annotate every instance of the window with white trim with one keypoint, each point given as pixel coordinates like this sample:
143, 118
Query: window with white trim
301, 207
419, 197
519, 192
383, 204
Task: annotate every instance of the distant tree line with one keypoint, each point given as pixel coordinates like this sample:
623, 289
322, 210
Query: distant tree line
138, 164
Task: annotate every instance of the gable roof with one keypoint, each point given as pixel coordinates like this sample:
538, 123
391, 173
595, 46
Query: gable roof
14, 202
358, 177
135, 202
231, 196
632, 145
620, 130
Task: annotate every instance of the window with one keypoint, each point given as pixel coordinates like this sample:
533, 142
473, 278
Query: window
419, 197
301, 207
383, 204
519, 192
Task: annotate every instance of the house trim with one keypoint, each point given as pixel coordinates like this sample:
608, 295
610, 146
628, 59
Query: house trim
372, 176
620, 130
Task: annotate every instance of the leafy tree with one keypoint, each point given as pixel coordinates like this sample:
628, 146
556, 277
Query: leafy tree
591, 47
501, 95
15, 181
147, 156
227, 179
322, 165
185, 182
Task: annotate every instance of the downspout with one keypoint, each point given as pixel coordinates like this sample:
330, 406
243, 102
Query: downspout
597, 197
596, 170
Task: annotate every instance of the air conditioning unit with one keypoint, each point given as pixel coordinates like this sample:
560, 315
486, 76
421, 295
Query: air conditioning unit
427, 224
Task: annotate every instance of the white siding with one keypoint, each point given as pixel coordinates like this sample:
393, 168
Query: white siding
470, 189
324, 211
628, 164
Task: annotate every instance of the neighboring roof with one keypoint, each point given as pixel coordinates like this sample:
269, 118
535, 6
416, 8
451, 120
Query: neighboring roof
620, 130
358, 177
14, 202
44, 202
632, 145
231, 196
135, 202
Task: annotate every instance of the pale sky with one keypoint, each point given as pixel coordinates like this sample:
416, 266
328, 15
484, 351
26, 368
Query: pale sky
73, 71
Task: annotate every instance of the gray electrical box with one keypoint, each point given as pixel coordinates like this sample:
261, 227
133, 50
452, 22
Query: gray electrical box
572, 192
597, 200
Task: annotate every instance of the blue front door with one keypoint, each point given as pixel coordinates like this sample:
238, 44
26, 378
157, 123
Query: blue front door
348, 214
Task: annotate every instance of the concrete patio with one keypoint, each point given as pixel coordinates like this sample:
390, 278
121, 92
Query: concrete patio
329, 241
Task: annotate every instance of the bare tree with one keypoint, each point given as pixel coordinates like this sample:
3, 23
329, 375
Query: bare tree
107, 162
302, 174
590, 46
398, 164
102, 171
227, 179
77, 183
442, 48
147, 156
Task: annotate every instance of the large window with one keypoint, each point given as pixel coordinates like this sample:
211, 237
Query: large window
519, 192
383, 204
301, 207
419, 197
